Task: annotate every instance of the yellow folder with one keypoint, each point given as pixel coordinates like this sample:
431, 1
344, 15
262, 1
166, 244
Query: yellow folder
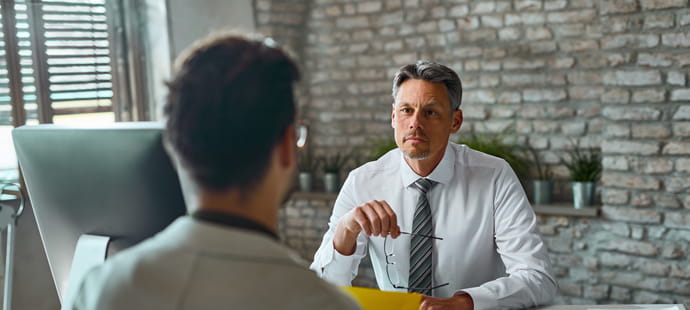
375, 299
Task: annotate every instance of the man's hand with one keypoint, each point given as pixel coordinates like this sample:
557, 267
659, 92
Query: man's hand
374, 218
458, 302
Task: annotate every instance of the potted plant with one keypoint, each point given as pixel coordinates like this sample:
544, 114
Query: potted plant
585, 168
332, 165
542, 182
306, 165
381, 147
494, 144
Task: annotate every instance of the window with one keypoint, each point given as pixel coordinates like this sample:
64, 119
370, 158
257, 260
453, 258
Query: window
56, 66
76, 58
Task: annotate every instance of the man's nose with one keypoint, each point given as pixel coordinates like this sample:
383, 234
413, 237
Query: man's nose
415, 120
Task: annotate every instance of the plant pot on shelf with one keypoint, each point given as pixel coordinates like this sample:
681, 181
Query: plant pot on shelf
305, 181
541, 191
583, 194
542, 182
585, 168
307, 165
331, 182
333, 163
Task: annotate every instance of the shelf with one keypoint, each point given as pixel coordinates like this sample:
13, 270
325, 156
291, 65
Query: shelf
314, 195
566, 209
563, 209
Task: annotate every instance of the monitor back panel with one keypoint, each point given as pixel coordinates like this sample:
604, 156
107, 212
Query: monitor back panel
115, 181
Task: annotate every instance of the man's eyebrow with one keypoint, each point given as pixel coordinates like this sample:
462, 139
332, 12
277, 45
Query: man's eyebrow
431, 104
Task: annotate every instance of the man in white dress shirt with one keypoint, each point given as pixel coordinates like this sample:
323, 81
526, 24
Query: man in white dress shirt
231, 114
482, 249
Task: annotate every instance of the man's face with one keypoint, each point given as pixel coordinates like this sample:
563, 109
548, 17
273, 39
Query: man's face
422, 119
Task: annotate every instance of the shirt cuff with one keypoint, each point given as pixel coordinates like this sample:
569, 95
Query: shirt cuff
481, 297
337, 268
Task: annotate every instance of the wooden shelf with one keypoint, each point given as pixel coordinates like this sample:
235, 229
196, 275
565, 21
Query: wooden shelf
566, 209
314, 195
563, 209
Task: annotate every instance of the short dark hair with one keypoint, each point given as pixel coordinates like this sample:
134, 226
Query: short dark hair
431, 72
230, 102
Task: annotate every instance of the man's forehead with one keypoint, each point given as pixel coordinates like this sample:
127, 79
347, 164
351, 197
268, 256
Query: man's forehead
426, 103
413, 91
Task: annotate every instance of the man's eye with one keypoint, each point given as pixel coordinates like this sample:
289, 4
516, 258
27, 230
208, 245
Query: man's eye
406, 110
431, 113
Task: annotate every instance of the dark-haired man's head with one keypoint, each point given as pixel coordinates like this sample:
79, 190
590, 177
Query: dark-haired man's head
230, 107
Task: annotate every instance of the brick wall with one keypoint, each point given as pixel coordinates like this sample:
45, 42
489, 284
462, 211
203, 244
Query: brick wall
304, 221
610, 74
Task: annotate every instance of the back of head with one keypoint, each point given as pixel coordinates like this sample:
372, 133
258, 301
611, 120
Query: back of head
230, 102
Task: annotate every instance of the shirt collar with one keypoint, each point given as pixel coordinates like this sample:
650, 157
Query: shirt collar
443, 173
231, 220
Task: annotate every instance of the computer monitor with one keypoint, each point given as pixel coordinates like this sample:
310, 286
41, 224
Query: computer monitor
114, 180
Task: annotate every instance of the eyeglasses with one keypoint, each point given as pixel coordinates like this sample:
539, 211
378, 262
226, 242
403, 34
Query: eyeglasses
301, 134
393, 277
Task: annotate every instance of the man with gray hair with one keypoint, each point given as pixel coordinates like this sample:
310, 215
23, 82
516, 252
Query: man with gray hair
436, 217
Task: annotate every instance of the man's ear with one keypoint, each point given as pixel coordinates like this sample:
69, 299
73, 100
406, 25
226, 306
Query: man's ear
457, 121
393, 115
286, 147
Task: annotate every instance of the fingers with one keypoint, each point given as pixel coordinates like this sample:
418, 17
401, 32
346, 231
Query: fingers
432, 303
384, 219
427, 303
376, 218
394, 228
458, 302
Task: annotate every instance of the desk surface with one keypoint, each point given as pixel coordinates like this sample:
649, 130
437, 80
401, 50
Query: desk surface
618, 307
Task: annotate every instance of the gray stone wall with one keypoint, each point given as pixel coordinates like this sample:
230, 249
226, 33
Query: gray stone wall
611, 74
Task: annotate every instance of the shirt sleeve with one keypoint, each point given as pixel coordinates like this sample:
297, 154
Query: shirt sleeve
328, 263
529, 281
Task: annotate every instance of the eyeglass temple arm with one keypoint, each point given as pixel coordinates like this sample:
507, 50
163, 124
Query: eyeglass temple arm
428, 236
421, 288
303, 133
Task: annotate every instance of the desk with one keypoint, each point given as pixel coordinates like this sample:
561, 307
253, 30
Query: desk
585, 307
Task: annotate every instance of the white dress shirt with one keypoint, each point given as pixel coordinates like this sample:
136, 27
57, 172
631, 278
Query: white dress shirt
491, 247
195, 264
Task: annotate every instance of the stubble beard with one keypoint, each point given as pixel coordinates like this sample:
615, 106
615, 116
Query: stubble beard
416, 156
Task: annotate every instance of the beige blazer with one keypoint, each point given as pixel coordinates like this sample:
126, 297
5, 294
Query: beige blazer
199, 265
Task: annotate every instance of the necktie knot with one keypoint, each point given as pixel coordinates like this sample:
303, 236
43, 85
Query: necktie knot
424, 184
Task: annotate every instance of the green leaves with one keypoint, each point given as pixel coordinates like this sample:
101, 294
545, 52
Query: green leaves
544, 172
381, 147
584, 164
494, 144
335, 162
306, 161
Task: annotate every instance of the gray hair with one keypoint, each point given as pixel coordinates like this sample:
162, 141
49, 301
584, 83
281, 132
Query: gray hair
431, 72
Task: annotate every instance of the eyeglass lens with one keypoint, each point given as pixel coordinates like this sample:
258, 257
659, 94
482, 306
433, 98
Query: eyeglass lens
391, 272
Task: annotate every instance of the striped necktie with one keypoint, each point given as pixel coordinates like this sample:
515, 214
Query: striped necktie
421, 247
